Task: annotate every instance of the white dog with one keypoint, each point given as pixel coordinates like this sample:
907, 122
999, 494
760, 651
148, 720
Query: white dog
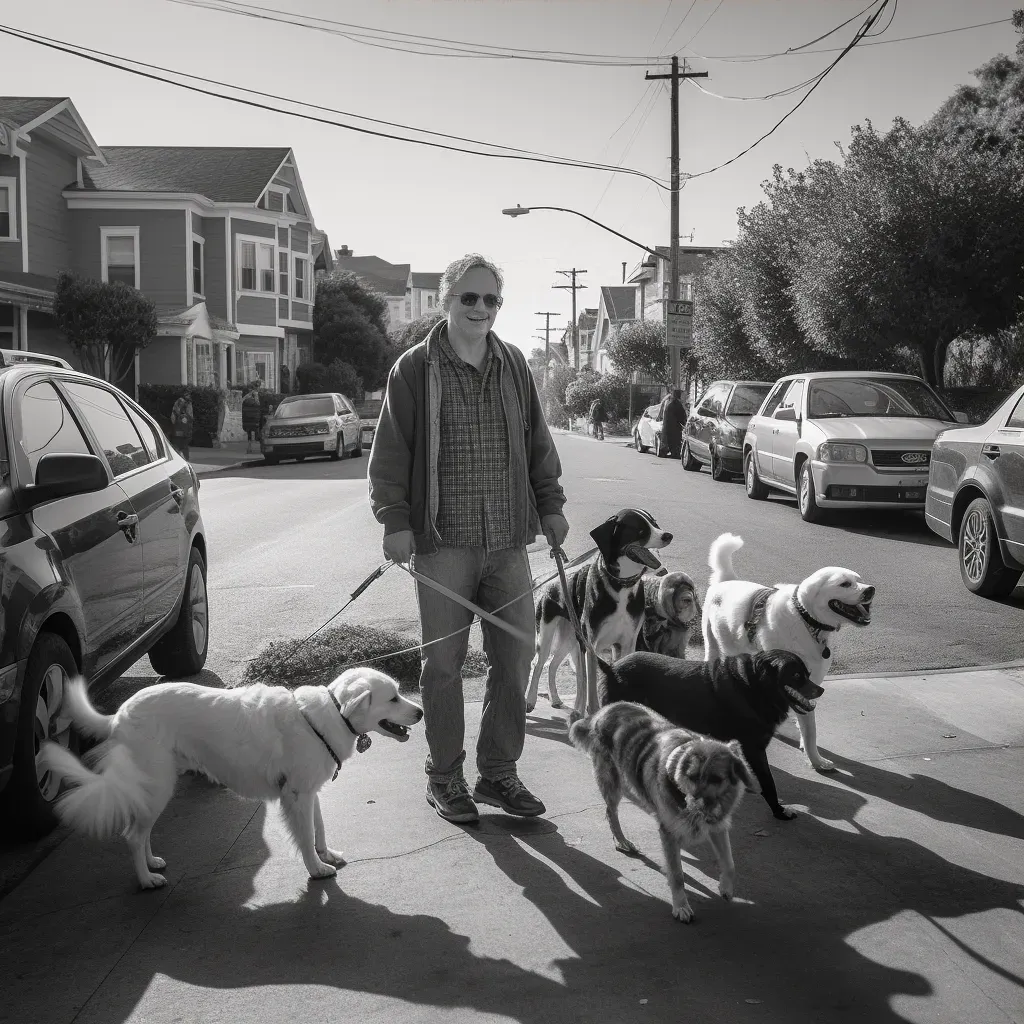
260, 741
803, 618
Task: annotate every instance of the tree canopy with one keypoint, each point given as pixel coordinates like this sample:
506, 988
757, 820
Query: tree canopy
350, 323
640, 347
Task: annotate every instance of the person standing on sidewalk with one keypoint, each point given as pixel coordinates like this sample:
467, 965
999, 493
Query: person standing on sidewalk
597, 417
252, 413
673, 421
182, 421
463, 475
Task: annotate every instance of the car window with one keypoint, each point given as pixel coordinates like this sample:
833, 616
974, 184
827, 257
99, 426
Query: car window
154, 448
46, 426
746, 399
774, 397
794, 394
874, 396
1017, 416
300, 407
119, 440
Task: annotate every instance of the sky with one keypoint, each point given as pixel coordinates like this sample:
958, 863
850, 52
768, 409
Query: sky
411, 204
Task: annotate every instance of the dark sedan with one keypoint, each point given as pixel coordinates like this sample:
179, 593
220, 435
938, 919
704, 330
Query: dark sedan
975, 497
102, 560
713, 435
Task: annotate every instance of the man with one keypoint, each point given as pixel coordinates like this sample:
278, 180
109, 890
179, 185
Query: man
673, 421
463, 476
181, 423
597, 417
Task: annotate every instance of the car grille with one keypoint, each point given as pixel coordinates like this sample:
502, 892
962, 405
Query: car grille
296, 431
901, 458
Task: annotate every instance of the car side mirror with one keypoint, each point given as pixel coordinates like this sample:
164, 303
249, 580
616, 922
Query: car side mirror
961, 417
705, 410
788, 414
64, 475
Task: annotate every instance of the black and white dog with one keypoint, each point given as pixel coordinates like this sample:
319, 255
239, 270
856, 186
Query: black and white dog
608, 598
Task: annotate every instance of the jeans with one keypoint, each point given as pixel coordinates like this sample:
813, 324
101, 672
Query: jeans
489, 579
181, 445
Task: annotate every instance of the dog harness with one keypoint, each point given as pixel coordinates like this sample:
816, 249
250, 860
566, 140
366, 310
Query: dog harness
362, 740
815, 627
757, 609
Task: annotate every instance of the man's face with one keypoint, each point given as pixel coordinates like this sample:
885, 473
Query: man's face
474, 321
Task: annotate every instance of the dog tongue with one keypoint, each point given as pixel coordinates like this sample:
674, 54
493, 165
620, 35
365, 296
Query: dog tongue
640, 554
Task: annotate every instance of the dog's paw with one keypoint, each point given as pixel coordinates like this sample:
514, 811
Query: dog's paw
823, 764
784, 813
683, 912
152, 881
557, 703
324, 871
156, 863
627, 848
726, 888
332, 857
530, 707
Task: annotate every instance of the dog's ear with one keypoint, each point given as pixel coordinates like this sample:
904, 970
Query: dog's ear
741, 768
358, 705
604, 536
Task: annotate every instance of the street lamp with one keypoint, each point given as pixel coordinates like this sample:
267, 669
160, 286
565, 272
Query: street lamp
518, 211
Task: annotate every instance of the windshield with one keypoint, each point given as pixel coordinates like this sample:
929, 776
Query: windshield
747, 399
305, 407
864, 396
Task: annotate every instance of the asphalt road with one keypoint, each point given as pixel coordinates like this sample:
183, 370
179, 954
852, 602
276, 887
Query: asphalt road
289, 543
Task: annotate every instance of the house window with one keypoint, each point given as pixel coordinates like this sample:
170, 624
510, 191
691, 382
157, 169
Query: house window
119, 255
8, 222
255, 266
206, 374
261, 366
300, 278
282, 268
430, 302
198, 269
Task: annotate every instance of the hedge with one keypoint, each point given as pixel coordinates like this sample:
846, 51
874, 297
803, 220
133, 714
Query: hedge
158, 400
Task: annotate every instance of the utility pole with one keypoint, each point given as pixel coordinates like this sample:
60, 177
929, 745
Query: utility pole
673, 288
547, 341
575, 325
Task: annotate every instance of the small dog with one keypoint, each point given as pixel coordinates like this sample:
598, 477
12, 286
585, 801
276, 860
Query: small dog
260, 741
804, 618
745, 697
673, 610
608, 597
691, 785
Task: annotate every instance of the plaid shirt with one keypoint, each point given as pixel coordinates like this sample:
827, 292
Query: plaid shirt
474, 508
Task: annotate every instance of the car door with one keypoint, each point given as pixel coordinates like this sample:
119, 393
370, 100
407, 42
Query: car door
1005, 450
145, 479
786, 433
349, 420
96, 533
761, 428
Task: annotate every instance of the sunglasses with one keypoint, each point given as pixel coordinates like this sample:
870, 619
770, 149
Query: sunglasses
471, 299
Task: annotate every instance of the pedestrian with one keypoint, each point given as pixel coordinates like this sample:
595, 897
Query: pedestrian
251, 415
181, 423
597, 417
463, 475
673, 421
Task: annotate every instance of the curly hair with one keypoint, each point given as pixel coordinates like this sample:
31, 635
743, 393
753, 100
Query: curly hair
451, 277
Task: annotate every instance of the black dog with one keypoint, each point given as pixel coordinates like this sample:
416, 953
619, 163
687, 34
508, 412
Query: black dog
745, 697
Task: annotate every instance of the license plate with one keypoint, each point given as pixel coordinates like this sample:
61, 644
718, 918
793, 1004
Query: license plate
916, 494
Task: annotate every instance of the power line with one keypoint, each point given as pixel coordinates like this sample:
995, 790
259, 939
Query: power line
97, 57
680, 25
409, 42
629, 144
703, 26
664, 18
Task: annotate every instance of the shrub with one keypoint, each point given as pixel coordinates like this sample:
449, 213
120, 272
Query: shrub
338, 376
158, 400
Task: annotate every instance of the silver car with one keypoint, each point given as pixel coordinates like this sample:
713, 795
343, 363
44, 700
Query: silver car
324, 424
845, 439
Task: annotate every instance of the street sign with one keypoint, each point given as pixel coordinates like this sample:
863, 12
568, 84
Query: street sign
679, 323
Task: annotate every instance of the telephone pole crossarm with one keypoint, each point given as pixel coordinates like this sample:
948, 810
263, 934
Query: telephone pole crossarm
574, 288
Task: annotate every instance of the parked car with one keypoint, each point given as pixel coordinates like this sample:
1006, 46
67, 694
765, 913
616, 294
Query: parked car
976, 497
103, 560
714, 431
647, 431
324, 424
845, 439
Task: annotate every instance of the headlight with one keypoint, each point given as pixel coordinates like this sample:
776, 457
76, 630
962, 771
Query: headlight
830, 451
320, 428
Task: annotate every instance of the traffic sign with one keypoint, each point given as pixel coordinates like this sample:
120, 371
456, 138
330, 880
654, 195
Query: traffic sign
679, 324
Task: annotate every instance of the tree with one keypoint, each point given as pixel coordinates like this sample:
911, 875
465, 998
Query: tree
560, 376
413, 333
582, 391
314, 378
350, 323
105, 324
614, 390
640, 347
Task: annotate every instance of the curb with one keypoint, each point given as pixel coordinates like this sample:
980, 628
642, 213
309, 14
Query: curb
924, 673
232, 465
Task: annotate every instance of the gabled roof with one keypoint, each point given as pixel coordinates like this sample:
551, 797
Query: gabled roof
55, 117
619, 302
323, 258
223, 174
18, 111
387, 278
430, 281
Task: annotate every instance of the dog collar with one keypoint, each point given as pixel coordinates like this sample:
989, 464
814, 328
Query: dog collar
815, 627
626, 581
320, 736
362, 740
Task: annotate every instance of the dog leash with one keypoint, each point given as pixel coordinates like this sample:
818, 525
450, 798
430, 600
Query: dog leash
559, 556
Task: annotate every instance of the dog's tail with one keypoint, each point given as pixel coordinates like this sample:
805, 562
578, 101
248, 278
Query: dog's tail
605, 683
79, 708
102, 802
720, 557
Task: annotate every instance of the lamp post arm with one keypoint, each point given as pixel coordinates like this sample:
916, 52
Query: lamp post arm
632, 241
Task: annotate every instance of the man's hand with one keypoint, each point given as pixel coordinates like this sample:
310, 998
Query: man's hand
398, 547
555, 529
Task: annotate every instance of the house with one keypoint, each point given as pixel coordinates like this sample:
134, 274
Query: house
219, 238
425, 288
652, 276
619, 304
323, 258
586, 321
409, 294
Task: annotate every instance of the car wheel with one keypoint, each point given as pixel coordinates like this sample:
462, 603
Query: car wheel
810, 512
660, 451
717, 468
182, 651
270, 460
690, 464
357, 452
339, 451
981, 564
640, 446
30, 794
755, 488
300, 458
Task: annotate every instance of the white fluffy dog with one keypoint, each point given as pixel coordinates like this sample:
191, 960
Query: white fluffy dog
803, 618
261, 741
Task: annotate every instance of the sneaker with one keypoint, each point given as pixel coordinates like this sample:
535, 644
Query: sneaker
452, 801
509, 794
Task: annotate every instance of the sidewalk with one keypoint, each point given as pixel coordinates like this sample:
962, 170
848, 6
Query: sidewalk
212, 460
896, 894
